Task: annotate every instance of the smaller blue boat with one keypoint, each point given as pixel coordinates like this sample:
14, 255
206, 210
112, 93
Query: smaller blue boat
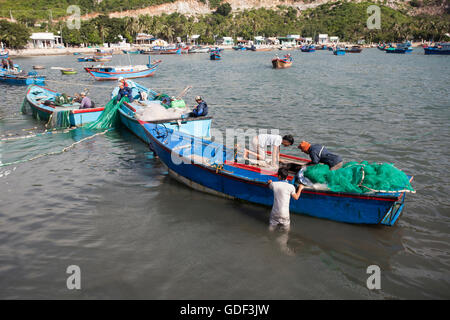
239, 48
215, 55
131, 51
21, 78
86, 59
41, 101
127, 72
4, 54
308, 48
400, 48
76, 53
339, 51
439, 48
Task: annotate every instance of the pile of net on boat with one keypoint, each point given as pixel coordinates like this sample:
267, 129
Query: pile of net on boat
360, 177
109, 117
156, 110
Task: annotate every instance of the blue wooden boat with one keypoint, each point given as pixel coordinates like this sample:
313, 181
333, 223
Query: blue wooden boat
210, 167
40, 101
309, 48
215, 55
127, 72
76, 53
20, 77
339, 51
439, 48
131, 51
401, 48
239, 48
4, 54
86, 59
128, 114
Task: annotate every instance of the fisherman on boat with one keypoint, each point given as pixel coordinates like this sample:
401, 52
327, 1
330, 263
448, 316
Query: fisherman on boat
200, 110
319, 154
259, 144
5, 64
124, 91
282, 193
86, 102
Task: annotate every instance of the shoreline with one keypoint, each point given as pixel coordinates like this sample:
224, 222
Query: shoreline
33, 52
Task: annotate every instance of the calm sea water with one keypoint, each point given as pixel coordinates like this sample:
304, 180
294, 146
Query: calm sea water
109, 207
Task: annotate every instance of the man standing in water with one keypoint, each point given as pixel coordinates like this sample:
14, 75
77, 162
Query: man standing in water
282, 193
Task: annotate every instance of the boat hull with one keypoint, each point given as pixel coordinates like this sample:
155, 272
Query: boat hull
22, 81
101, 75
231, 181
281, 64
40, 111
339, 52
430, 50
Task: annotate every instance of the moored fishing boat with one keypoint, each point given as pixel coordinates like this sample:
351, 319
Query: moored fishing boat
38, 67
353, 49
308, 48
400, 48
339, 51
239, 47
4, 54
438, 48
282, 63
68, 71
198, 49
131, 51
128, 72
19, 77
215, 55
41, 101
102, 58
211, 167
86, 59
162, 109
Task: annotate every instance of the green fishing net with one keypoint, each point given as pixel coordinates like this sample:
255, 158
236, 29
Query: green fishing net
59, 119
109, 116
25, 105
361, 177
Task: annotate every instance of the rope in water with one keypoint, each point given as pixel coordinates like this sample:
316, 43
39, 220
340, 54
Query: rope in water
55, 152
55, 131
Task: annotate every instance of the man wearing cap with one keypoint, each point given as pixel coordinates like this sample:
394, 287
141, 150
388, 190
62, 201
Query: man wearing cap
86, 103
201, 109
124, 91
319, 154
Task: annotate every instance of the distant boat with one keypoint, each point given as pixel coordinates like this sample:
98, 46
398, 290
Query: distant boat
103, 52
131, 51
128, 72
439, 48
19, 77
282, 63
400, 48
68, 71
4, 53
198, 49
239, 47
176, 51
76, 53
339, 51
353, 49
308, 48
38, 67
86, 59
41, 101
215, 55
102, 58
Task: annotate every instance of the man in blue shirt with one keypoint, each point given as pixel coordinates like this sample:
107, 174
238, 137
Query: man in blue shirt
319, 154
201, 109
124, 91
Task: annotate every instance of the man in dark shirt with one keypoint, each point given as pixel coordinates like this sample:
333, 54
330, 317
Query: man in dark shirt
319, 154
201, 109
124, 91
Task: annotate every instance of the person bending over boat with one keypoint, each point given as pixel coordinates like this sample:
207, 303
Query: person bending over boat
5, 64
259, 144
124, 91
319, 154
282, 193
201, 109
86, 102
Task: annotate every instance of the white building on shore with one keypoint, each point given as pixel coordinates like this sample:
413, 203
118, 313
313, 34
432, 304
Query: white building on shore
43, 40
